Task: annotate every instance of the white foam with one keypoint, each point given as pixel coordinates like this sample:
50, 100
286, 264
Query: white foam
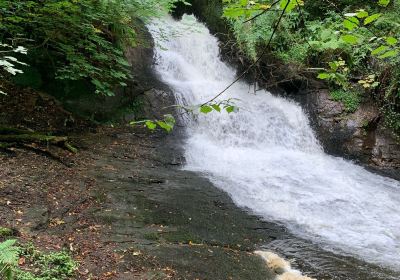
281, 267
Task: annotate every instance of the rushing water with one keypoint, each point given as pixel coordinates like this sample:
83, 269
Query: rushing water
268, 159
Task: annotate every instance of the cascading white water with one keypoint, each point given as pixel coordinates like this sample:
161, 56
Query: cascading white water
267, 157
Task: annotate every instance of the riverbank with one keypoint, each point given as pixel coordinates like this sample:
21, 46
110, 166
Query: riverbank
125, 211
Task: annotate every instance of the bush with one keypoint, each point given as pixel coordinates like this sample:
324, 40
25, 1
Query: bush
50, 266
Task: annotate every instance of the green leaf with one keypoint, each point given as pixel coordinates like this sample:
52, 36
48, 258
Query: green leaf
169, 119
389, 54
323, 76
164, 126
384, 3
205, 109
362, 14
334, 65
371, 18
391, 41
351, 39
216, 107
379, 50
150, 125
290, 6
351, 23
230, 109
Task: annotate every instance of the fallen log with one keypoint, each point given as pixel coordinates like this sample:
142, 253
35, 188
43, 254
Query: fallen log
12, 136
11, 130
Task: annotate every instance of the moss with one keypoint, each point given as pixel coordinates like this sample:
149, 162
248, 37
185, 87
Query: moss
4, 232
151, 236
181, 237
350, 99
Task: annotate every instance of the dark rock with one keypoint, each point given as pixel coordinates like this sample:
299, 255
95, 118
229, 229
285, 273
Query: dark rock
360, 136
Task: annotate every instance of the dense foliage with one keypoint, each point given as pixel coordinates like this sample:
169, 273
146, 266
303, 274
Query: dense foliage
352, 43
78, 39
42, 266
8, 258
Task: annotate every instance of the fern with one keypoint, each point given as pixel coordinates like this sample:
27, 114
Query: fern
8, 258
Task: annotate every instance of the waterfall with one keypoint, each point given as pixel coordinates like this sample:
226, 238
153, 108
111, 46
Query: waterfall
267, 158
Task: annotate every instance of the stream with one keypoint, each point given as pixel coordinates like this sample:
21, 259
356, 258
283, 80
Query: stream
267, 158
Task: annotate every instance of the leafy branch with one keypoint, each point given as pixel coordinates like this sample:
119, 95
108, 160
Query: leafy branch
168, 122
8, 62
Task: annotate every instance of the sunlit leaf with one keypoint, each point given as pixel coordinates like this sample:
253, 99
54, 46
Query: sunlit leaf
288, 4
205, 109
350, 23
391, 41
230, 109
379, 50
371, 18
150, 125
323, 76
351, 39
389, 54
216, 107
384, 3
362, 14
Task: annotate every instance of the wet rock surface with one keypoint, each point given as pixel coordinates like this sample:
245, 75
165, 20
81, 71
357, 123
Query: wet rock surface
177, 217
181, 226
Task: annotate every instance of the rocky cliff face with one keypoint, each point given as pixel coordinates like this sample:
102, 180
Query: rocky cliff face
360, 136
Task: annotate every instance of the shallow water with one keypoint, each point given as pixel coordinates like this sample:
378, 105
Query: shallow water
268, 159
